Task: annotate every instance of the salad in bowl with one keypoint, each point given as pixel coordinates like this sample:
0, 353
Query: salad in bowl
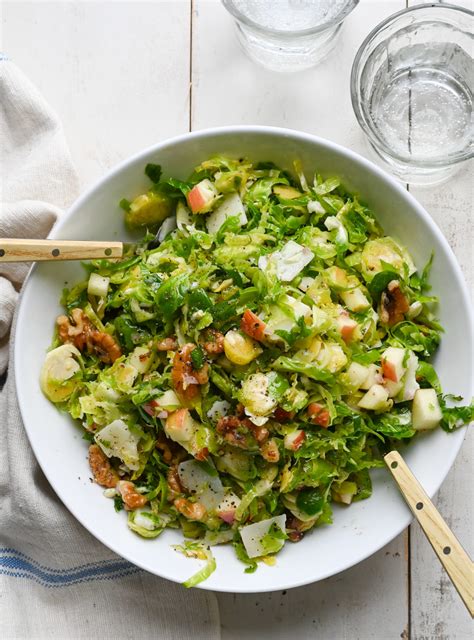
249, 360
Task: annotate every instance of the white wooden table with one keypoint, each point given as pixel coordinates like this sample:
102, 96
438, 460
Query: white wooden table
124, 75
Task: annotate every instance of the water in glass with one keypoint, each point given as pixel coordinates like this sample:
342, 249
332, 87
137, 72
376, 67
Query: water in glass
288, 35
421, 109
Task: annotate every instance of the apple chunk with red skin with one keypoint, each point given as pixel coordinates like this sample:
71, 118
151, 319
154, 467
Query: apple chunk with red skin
347, 327
180, 426
318, 414
393, 367
294, 440
202, 196
406, 388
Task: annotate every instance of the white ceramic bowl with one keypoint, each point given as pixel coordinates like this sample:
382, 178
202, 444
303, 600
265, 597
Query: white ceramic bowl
358, 531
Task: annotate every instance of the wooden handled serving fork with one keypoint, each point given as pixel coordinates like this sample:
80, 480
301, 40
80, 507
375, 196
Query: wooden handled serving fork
41, 250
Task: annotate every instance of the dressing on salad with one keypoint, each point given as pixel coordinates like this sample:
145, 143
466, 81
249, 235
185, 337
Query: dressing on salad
242, 371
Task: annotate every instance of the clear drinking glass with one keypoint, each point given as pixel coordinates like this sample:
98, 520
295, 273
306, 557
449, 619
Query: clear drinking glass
288, 35
412, 84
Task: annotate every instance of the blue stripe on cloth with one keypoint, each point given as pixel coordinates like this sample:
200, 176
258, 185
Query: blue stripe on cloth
15, 552
18, 565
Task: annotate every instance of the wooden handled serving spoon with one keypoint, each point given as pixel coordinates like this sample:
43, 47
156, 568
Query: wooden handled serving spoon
453, 557
36, 250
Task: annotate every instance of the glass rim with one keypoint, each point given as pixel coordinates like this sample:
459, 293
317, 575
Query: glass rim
238, 15
375, 139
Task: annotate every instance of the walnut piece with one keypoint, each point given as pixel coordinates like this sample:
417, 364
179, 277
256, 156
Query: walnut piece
191, 510
130, 496
79, 331
101, 468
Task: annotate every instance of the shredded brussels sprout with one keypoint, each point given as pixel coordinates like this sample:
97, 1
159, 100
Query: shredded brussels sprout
201, 552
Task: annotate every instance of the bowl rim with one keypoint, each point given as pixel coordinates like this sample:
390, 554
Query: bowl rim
217, 132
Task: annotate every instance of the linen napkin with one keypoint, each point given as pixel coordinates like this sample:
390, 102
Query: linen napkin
56, 580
